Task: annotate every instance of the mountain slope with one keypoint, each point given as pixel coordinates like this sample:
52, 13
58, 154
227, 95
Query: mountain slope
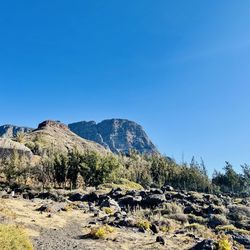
10, 131
119, 135
57, 137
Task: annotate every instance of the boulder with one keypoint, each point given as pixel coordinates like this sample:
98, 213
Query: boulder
167, 188
153, 200
156, 191
92, 197
109, 202
48, 195
242, 239
160, 240
28, 195
52, 207
154, 228
116, 193
130, 201
205, 245
76, 197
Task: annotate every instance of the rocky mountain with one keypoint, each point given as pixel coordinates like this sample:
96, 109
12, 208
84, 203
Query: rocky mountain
118, 135
10, 131
58, 137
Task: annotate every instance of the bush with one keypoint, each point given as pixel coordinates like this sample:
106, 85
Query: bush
179, 217
108, 210
195, 228
239, 213
217, 220
144, 224
196, 219
224, 243
14, 238
101, 232
172, 208
123, 184
232, 228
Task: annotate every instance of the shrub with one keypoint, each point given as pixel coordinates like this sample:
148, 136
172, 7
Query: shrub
195, 228
172, 208
14, 238
239, 213
232, 228
108, 210
179, 217
101, 232
123, 184
217, 220
196, 219
224, 243
144, 224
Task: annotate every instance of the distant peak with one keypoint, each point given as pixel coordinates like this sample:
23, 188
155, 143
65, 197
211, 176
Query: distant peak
51, 123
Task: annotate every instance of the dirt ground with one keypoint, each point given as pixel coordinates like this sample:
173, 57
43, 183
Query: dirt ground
69, 230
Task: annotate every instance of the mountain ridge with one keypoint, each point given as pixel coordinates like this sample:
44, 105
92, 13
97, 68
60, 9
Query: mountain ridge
119, 135
116, 134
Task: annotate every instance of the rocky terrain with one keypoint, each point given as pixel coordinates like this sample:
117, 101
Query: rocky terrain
127, 219
10, 131
119, 135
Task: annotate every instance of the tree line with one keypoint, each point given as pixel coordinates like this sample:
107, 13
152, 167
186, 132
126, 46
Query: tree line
75, 169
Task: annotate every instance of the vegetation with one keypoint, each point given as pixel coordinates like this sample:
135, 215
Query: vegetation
224, 243
14, 238
144, 224
135, 171
101, 232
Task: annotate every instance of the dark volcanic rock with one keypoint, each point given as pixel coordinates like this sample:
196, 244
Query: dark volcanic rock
205, 245
119, 135
160, 239
153, 200
242, 239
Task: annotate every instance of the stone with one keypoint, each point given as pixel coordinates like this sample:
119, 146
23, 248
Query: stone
160, 240
154, 228
153, 200
167, 188
130, 201
76, 197
109, 202
205, 245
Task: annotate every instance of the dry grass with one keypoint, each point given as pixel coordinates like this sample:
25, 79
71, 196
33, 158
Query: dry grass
233, 229
14, 238
124, 184
22, 212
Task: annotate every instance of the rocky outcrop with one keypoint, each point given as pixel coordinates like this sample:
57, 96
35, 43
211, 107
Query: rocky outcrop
10, 131
8, 147
119, 135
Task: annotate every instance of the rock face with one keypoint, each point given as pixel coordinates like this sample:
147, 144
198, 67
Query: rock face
10, 131
57, 137
8, 147
119, 135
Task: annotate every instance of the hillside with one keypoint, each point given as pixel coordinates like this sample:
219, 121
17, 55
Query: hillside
58, 137
119, 135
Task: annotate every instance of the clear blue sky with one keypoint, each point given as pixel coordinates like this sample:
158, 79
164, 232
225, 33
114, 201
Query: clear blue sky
179, 68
